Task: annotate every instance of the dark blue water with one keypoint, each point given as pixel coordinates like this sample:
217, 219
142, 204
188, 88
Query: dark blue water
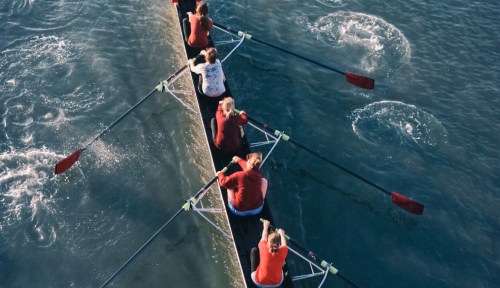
429, 130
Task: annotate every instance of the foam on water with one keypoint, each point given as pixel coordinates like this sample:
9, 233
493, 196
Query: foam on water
28, 199
378, 41
398, 123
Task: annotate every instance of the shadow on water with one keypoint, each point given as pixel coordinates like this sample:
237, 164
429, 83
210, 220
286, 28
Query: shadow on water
174, 240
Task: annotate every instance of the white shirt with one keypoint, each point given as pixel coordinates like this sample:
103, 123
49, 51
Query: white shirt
213, 78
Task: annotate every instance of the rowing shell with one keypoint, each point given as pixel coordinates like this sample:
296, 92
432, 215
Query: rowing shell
246, 231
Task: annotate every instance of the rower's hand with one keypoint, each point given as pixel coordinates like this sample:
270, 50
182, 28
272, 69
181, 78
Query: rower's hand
281, 232
236, 158
241, 112
218, 172
203, 52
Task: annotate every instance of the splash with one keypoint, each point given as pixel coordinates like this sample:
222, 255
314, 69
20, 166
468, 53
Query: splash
108, 158
374, 44
29, 207
398, 123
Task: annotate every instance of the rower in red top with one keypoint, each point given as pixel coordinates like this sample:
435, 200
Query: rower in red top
197, 26
267, 261
226, 127
246, 190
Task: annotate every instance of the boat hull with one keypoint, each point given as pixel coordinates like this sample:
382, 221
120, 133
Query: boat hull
246, 231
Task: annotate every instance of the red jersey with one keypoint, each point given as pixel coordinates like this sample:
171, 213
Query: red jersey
247, 185
228, 137
269, 271
199, 36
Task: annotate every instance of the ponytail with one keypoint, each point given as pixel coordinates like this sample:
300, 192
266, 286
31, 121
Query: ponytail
205, 22
228, 107
274, 242
201, 12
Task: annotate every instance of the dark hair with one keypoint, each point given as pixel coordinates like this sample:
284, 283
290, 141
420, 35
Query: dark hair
201, 12
273, 242
211, 55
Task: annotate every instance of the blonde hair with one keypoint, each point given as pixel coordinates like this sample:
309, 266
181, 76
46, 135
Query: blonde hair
254, 160
228, 106
274, 242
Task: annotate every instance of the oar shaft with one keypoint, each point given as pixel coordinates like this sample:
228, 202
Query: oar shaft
404, 202
140, 249
214, 179
298, 55
202, 190
67, 162
138, 104
340, 167
270, 129
120, 119
229, 29
343, 277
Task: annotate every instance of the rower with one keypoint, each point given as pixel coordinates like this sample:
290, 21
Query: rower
227, 130
197, 26
267, 261
246, 190
212, 77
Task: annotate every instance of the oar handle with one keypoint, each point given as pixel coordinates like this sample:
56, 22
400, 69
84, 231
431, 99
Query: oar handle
161, 86
189, 203
215, 178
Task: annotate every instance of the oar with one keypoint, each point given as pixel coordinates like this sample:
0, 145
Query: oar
402, 201
316, 258
67, 162
186, 207
353, 78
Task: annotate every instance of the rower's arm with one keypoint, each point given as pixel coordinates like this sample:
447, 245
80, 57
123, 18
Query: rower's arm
283, 237
265, 230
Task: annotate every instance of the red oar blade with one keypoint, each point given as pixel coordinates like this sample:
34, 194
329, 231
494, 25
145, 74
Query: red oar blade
359, 80
407, 203
67, 162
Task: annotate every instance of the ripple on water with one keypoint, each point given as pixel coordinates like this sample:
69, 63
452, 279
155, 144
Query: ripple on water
396, 123
46, 15
334, 3
34, 54
382, 46
31, 199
